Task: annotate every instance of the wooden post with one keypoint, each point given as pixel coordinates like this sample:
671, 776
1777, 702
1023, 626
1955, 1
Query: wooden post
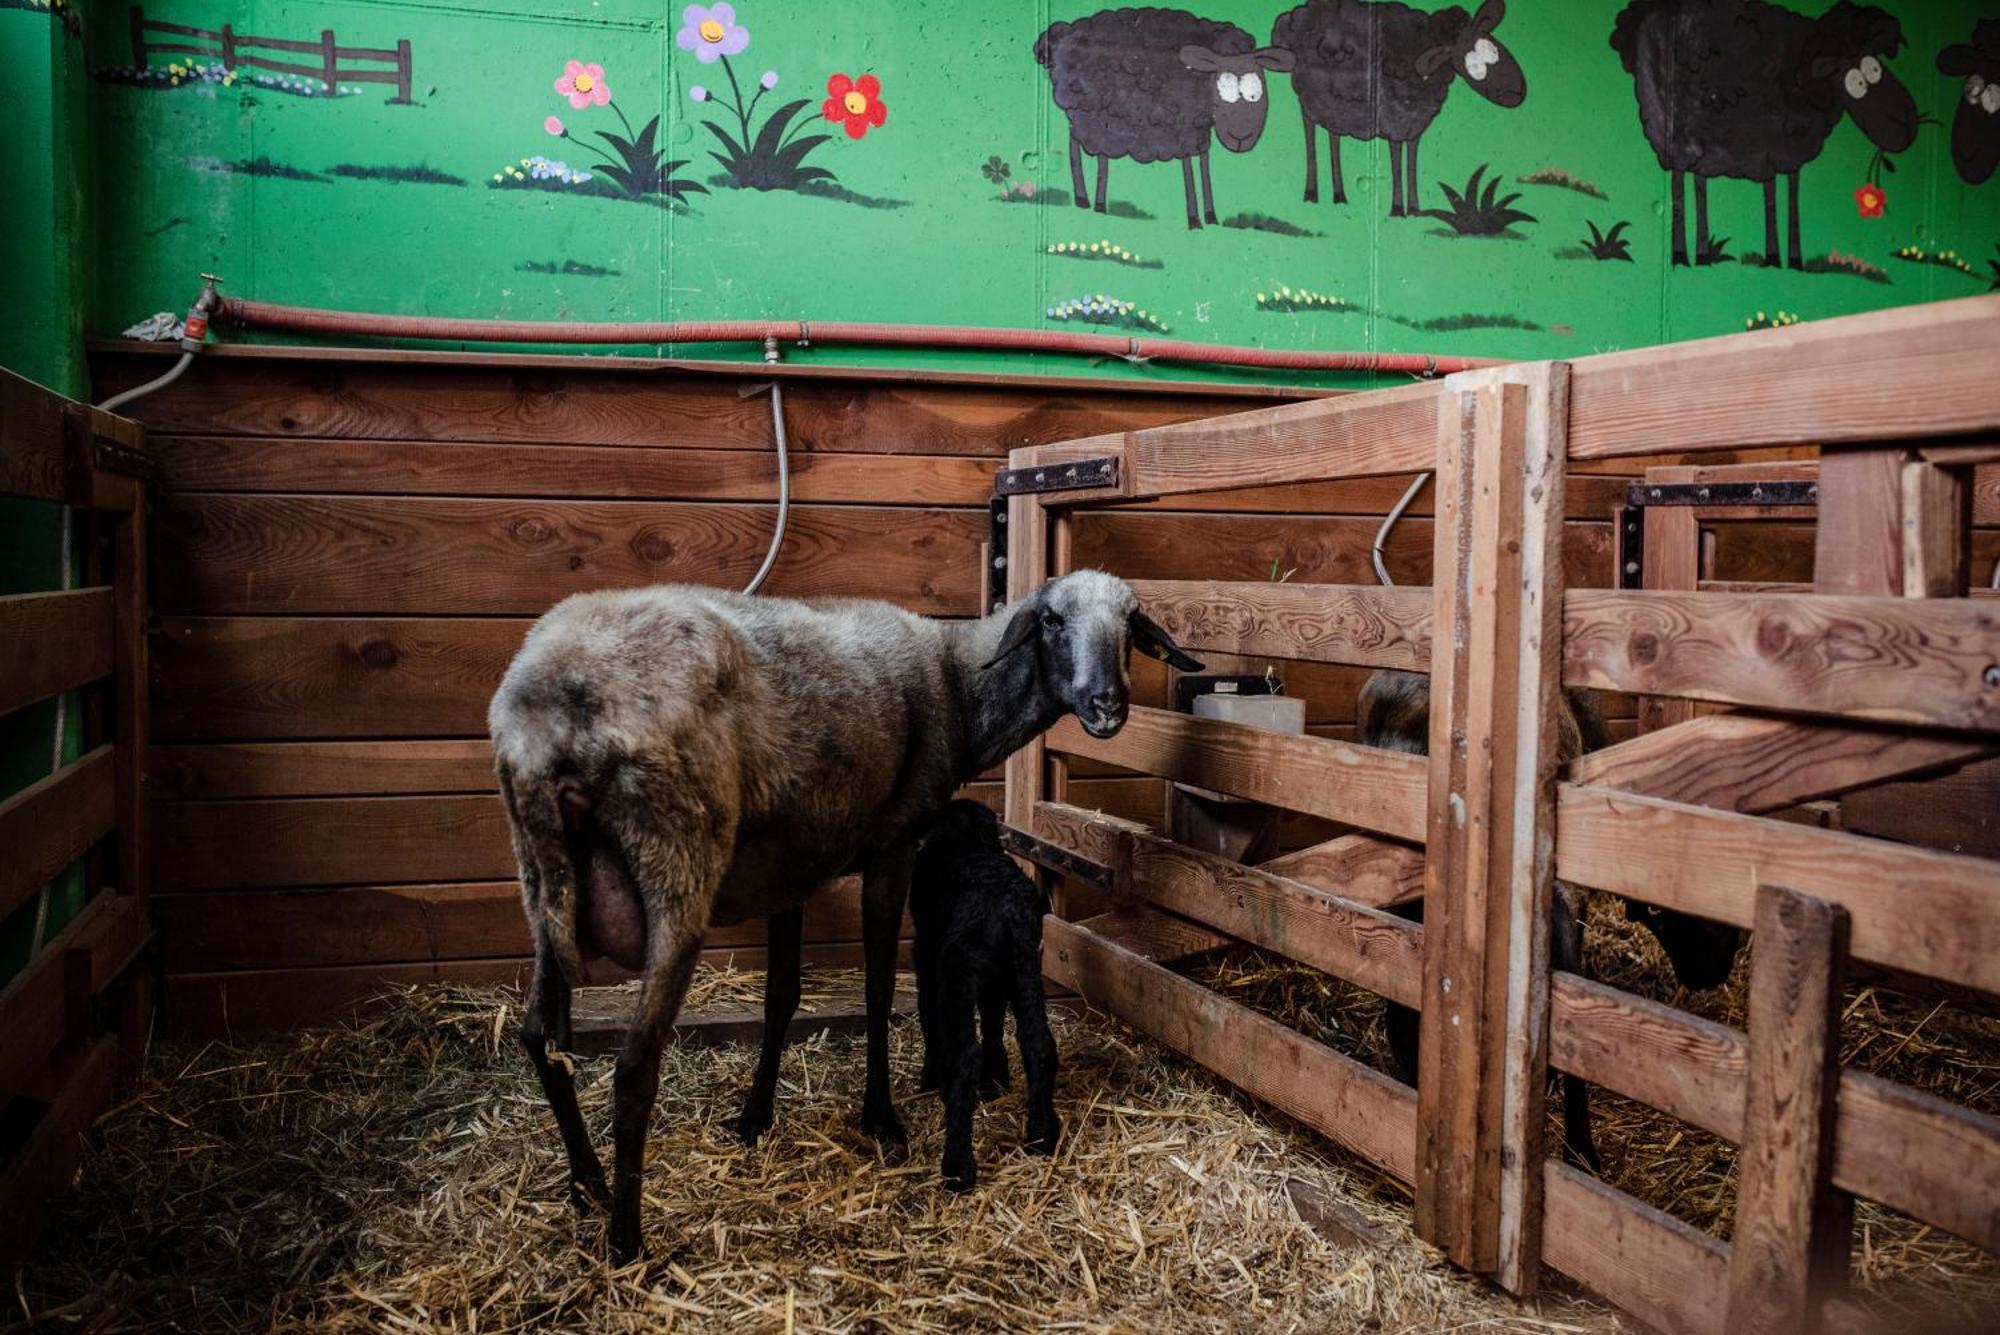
1495, 692
138, 37
1937, 530
228, 36
1672, 562
403, 70
1027, 568
130, 687
1858, 545
330, 57
1790, 1244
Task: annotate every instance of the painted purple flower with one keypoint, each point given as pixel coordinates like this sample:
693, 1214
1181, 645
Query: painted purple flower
554, 126
711, 32
769, 81
583, 84
698, 93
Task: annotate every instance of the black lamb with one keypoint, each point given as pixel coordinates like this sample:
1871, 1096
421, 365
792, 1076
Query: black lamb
1377, 69
979, 948
1975, 130
1152, 85
1745, 89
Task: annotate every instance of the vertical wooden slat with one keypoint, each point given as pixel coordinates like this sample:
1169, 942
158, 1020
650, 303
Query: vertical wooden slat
1858, 545
131, 691
1027, 568
1937, 530
1063, 897
1790, 1244
1672, 562
1495, 689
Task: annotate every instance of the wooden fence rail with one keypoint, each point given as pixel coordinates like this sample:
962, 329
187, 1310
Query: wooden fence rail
228, 46
77, 1010
1885, 668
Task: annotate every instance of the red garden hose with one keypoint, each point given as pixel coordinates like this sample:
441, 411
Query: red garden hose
316, 320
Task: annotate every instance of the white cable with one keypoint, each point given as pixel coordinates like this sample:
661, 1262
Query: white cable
116, 401
784, 490
1382, 534
1996, 574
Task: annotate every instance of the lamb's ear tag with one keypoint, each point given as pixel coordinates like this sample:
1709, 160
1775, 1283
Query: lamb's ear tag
1154, 651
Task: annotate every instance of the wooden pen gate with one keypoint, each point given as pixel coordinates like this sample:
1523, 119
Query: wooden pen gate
77, 1014
1885, 669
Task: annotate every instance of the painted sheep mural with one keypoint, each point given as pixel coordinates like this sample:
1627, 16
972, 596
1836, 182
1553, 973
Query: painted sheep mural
1749, 90
1975, 127
1155, 85
1377, 69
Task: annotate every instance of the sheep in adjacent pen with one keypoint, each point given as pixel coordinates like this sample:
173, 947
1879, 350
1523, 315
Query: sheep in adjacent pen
1395, 714
979, 955
677, 757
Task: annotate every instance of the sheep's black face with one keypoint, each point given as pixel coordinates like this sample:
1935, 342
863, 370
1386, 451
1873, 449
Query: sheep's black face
1237, 85
1477, 57
1081, 628
1975, 128
1879, 103
1702, 952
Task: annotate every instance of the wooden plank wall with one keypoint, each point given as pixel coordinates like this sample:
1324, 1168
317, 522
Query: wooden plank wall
349, 550
350, 546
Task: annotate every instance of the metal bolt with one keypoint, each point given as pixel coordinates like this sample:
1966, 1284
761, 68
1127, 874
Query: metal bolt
1631, 567
1701, 493
1654, 493
1040, 476
999, 563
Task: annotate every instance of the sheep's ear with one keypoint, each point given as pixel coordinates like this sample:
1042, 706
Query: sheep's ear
1273, 58
1958, 60
1428, 62
1200, 58
1150, 640
1019, 631
1489, 16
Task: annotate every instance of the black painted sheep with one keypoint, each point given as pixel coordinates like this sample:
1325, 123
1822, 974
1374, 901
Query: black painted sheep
1152, 85
1376, 69
979, 950
1975, 130
1744, 89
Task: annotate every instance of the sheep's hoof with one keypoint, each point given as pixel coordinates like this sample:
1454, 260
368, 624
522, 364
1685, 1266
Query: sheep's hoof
587, 1191
930, 1082
960, 1175
885, 1127
752, 1123
1209, 218
1043, 1137
623, 1244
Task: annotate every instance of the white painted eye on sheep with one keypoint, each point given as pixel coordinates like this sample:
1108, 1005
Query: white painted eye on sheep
1871, 69
1974, 85
1252, 87
1487, 52
1856, 84
1228, 87
1989, 99
1475, 68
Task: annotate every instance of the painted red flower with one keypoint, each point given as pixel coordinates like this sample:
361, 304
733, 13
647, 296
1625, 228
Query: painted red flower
1869, 199
858, 102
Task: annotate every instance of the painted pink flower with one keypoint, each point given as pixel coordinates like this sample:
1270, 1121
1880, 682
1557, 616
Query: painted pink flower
583, 85
553, 125
711, 32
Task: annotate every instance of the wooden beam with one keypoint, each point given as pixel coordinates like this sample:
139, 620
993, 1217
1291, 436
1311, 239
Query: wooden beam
53, 642
1789, 1247
1027, 569
332, 768
53, 821
1672, 562
1356, 435
1384, 627
132, 693
1359, 785
1858, 542
1155, 934
1937, 530
1488, 866
600, 1016
108, 933
1351, 1105
33, 450
1943, 919
1359, 867
46, 1160
1926, 661
1837, 381
1667, 1273
1913, 1152
1752, 764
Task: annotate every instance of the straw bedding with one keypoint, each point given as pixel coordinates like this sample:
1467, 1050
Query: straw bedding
405, 1174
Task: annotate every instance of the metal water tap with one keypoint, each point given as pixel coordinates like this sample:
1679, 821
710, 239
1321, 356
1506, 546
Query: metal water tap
195, 332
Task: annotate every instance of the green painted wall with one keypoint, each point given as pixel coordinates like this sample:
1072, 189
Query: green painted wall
282, 193
43, 102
